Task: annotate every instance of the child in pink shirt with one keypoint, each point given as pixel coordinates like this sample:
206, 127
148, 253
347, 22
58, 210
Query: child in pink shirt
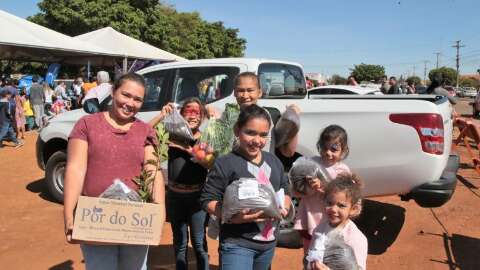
342, 203
333, 148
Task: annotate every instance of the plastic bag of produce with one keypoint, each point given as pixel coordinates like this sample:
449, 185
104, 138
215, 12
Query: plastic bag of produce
338, 255
218, 137
287, 127
178, 129
304, 169
203, 154
119, 191
248, 193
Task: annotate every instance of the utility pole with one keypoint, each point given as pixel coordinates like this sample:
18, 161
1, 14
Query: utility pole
438, 56
425, 72
458, 46
413, 70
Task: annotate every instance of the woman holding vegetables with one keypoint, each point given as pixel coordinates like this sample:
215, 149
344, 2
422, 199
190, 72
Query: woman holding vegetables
185, 182
103, 147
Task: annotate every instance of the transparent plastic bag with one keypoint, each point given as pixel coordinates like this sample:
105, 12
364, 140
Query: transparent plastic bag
217, 136
287, 127
119, 191
213, 230
303, 169
178, 129
338, 255
248, 193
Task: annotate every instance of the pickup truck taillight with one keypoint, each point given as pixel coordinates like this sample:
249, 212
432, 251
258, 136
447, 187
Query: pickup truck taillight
429, 127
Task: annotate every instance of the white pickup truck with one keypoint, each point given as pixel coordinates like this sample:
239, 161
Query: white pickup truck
398, 144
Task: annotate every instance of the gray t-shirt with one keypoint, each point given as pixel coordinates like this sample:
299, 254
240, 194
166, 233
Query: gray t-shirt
36, 94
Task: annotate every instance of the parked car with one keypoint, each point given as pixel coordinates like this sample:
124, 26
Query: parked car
469, 92
398, 144
344, 90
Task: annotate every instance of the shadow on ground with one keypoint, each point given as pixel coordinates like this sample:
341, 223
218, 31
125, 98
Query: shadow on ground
465, 251
461, 251
39, 186
66, 265
163, 258
469, 185
381, 223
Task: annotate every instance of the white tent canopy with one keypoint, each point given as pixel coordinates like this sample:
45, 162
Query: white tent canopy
23, 40
109, 39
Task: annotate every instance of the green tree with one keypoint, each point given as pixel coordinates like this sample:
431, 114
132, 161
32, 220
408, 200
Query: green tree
448, 75
469, 82
366, 72
415, 79
337, 79
183, 33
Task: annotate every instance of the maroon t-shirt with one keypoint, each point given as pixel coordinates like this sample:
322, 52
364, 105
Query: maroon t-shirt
112, 153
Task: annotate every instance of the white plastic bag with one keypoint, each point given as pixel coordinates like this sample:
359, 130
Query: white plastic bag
178, 129
303, 169
119, 191
287, 127
248, 193
338, 255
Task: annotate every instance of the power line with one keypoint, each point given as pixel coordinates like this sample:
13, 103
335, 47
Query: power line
425, 72
458, 46
438, 57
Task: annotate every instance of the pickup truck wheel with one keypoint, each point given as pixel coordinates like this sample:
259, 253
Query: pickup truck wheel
54, 173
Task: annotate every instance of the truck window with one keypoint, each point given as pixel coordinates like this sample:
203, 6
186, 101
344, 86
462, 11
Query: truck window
207, 83
156, 84
278, 80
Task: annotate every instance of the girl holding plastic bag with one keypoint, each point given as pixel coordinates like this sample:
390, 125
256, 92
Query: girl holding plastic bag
343, 201
333, 148
106, 146
185, 182
247, 239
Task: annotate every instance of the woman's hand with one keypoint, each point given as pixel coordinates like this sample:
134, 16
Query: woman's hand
68, 222
247, 216
212, 113
316, 265
166, 110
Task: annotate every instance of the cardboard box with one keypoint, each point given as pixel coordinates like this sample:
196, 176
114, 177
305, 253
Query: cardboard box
117, 222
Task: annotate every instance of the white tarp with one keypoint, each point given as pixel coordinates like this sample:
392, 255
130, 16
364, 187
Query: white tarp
114, 41
21, 39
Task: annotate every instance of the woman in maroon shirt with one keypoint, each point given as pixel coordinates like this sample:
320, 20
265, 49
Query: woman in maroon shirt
103, 147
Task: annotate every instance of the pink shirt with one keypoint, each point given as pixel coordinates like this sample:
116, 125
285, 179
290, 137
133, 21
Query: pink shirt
351, 235
310, 210
112, 153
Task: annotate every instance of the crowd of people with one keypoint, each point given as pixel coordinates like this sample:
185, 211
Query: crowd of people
98, 154
25, 109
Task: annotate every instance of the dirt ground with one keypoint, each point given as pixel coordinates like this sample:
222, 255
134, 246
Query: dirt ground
401, 234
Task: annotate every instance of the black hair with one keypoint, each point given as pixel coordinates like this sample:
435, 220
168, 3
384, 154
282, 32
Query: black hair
134, 77
331, 133
35, 78
246, 74
203, 111
348, 183
393, 78
250, 112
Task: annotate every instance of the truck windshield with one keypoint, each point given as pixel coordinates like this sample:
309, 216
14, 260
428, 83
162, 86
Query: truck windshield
278, 80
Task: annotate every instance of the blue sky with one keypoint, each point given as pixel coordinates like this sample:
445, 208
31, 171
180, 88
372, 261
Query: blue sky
331, 36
